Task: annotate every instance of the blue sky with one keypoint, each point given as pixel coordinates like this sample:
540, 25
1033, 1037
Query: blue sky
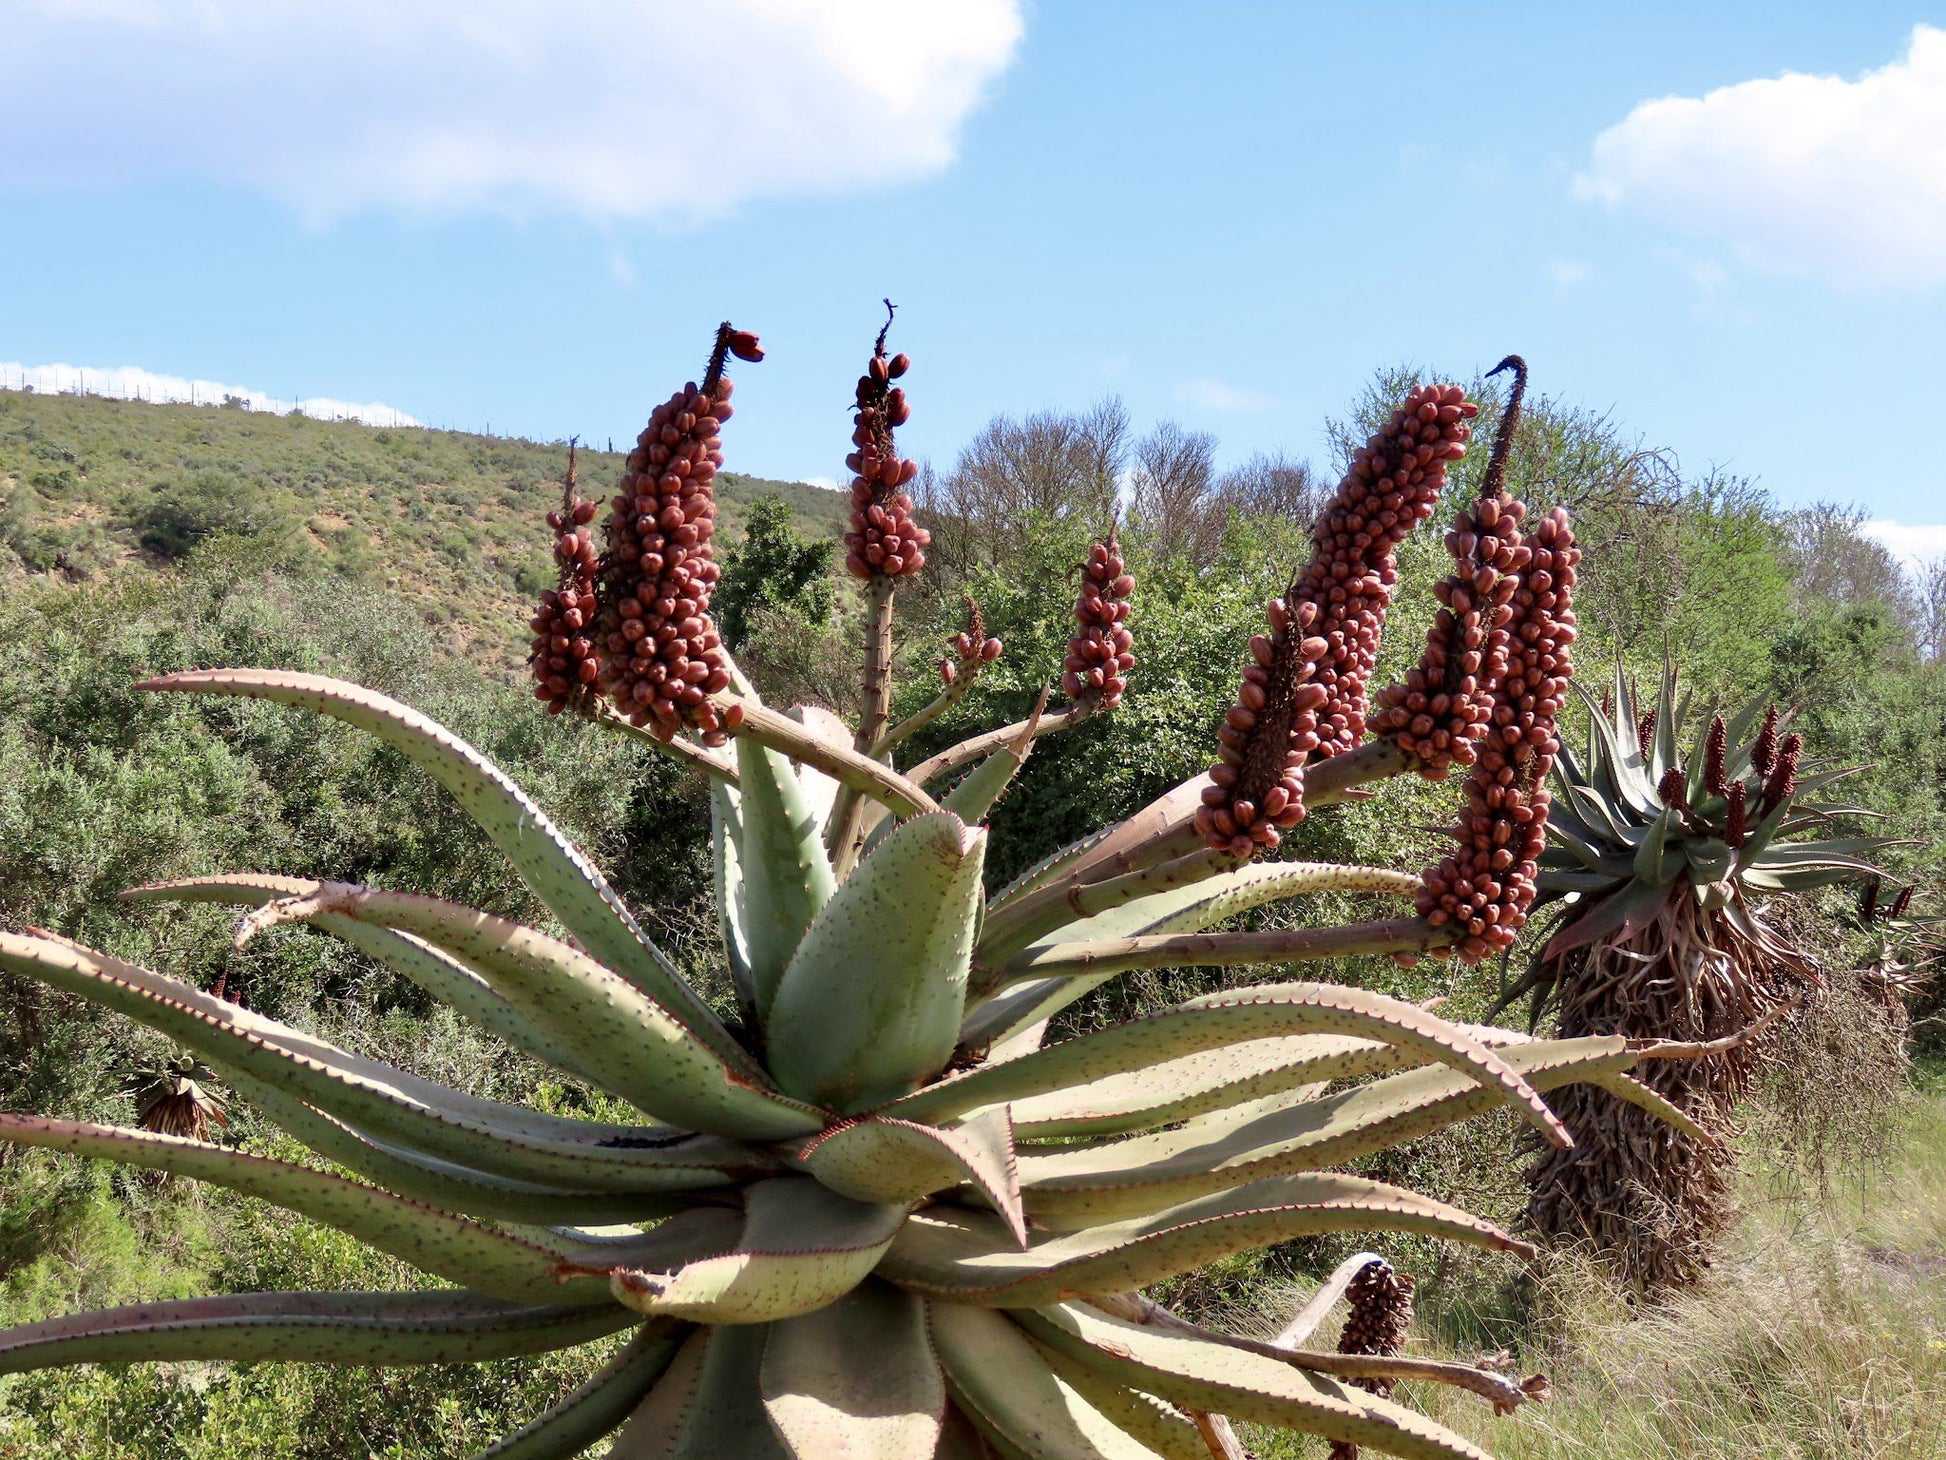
529, 216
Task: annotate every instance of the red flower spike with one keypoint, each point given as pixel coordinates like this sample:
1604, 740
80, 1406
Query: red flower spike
1781, 784
661, 657
1763, 753
1736, 816
563, 656
1441, 711
1486, 887
1716, 751
1101, 651
884, 541
1305, 694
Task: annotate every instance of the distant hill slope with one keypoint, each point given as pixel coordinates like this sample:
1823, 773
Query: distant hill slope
453, 522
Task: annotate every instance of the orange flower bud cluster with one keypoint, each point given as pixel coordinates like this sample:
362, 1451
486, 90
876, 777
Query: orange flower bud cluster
1101, 650
661, 655
884, 541
975, 647
1486, 887
1305, 692
563, 657
1393, 485
1257, 784
1441, 711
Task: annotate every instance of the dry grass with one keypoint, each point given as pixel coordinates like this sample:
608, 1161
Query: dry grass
1820, 1335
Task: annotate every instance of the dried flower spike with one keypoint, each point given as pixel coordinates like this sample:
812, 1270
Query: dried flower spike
563, 657
1101, 650
661, 655
884, 541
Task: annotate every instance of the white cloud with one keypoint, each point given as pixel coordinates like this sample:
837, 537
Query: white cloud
128, 382
1569, 274
1913, 543
1799, 173
1221, 397
639, 109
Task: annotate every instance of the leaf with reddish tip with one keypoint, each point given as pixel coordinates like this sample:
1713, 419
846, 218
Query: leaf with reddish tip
968, 1257
563, 878
871, 1003
857, 1380
882, 1160
444, 1327
803, 1246
1199, 1374
598, 1405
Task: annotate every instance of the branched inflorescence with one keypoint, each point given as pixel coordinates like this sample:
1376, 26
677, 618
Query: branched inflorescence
1486, 886
884, 541
1101, 650
1441, 711
661, 655
1305, 694
564, 660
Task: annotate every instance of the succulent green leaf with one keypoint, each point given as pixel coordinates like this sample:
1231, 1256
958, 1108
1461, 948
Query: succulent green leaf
871, 1003
1162, 1427
1068, 1188
883, 1160
600, 1404
1215, 1020
444, 1327
633, 1046
726, 839
856, 1380
505, 1140
441, 1183
437, 1242
969, 1257
1003, 1383
708, 1405
1048, 868
803, 1246
1652, 865
1200, 1374
1632, 905
563, 878
787, 877
445, 978
820, 790
981, 788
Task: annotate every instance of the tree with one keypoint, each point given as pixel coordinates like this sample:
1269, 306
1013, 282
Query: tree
775, 570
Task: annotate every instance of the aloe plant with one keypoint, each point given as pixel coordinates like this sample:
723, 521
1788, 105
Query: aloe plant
1665, 835
879, 1216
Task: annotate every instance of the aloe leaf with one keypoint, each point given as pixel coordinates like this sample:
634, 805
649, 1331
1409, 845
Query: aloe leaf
441, 976
563, 878
959, 1439
857, 1380
802, 1246
726, 858
969, 1257
820, 790
1162, 1427
632, 1045
437, 1242
442, 1183
1651, 865
871, 1003
1048, 868
1116, 1180
1001, 1381
443, 1327
1630, 904
1208, 901
598, 1405
1200, 1374
900, 1161
707, 1406
502, 1139
1215, 1020
787, 877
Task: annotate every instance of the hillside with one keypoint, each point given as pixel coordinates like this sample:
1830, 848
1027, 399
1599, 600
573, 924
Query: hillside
451, 521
